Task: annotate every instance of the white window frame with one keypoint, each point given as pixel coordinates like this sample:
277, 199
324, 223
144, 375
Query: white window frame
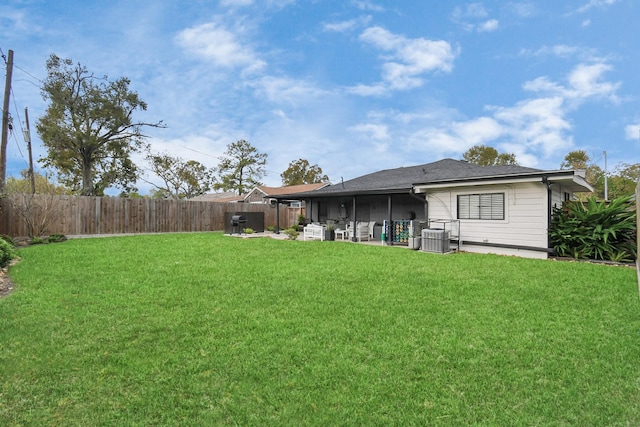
482, 206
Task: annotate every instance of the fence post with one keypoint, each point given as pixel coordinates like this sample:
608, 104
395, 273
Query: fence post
638, 234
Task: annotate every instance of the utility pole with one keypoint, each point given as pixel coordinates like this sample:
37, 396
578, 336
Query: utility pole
606, 184
5, 123
27, 139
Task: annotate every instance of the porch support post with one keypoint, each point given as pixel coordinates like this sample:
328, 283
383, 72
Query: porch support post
353, 231
389, 221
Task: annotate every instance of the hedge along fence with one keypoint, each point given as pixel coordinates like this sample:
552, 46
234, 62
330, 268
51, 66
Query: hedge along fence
78, 215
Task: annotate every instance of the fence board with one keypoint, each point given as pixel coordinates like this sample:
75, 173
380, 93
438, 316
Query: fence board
81, 215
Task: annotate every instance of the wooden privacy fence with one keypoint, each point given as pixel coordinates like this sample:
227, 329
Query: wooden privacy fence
77, 215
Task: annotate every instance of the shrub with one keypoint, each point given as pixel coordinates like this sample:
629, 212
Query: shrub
248, 230
54, 238
271, 228
595, 230
9, 240
36, 241
7, 253
292, 233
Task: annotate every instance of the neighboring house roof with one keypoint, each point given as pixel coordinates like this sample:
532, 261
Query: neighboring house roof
226, 197
290, 189
446, 171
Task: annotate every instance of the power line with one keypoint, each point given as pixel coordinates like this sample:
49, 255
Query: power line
29, 74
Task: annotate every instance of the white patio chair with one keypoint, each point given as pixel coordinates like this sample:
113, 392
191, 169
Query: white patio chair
361, 231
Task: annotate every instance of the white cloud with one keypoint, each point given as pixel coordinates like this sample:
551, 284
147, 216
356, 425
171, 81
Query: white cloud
374, 131
473, 17
213, 42
595, 3
282, 90
560, 50
584, 82
478, 131
377, 89
407, 59
472, 10
534, 129
456, 137
341, 27
488, 26
368, 5
14, 21
522, 10
632, 131
243, 3
346, 26
564, 51
235, 3
538, 124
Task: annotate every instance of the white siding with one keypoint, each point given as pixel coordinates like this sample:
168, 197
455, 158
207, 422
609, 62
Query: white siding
525, 222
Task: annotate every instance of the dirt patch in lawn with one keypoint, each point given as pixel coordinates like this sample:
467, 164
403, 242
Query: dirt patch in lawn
6, 284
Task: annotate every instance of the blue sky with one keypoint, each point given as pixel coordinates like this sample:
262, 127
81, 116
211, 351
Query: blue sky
353, 86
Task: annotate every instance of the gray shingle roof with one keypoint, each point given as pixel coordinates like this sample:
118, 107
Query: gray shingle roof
402, 179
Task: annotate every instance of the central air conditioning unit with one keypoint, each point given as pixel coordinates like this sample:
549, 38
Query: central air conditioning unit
436, 240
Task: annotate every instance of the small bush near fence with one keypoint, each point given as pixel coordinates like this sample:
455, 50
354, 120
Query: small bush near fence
7, 253
596, 230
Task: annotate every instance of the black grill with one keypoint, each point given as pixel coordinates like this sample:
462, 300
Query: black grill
238, 223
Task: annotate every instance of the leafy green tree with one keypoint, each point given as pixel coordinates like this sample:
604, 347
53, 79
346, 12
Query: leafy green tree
183, 179
578, 159
241, 166
484, 155
300, 172
44, 185
131, 195
88, 128
621, 182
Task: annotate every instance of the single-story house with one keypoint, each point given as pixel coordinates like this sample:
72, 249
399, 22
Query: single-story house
488, 209
266, 195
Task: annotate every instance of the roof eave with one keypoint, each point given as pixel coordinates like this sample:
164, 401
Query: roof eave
569, 177
343, 193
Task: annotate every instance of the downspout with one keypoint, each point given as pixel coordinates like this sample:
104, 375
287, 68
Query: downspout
413, 194
546, 182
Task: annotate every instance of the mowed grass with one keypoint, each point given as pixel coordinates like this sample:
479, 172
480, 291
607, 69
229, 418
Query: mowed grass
205, 329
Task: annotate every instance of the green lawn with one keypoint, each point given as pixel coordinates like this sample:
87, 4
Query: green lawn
204, 329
